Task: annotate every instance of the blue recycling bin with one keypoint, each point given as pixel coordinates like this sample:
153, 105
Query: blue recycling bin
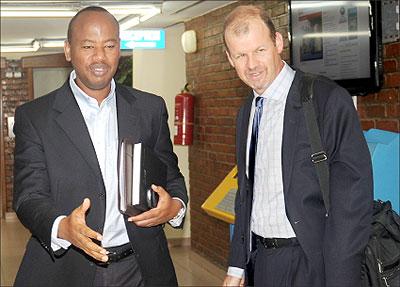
384, 149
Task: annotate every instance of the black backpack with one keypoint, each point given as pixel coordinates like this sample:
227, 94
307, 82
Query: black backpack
381, 264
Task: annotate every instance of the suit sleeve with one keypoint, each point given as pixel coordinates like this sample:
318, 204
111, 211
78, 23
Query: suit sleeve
32, 199
237, 254
351, 192
163, 147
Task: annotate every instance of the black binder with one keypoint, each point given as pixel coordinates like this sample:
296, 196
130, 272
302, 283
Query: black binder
138, 168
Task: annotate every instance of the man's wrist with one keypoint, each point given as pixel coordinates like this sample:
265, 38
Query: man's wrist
56, 241
178, 218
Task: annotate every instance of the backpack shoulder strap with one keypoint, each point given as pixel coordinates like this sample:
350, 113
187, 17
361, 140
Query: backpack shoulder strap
318, 156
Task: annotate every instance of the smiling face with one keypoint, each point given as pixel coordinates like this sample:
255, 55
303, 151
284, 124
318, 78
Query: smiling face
94, 52
254, 54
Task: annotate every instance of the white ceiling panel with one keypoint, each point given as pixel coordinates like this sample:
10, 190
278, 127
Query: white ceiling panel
18, 30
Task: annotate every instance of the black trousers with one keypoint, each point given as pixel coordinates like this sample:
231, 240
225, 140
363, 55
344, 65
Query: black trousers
125, 272
282, 267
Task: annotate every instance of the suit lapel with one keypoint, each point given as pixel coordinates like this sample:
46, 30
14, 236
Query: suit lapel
292, 117
243, 130
72, 122
128, 115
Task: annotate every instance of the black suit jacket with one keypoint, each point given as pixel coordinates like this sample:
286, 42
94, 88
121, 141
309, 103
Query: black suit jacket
333, 245
56, 168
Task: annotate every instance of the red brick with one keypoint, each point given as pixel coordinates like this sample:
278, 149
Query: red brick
370, 98
375, 111
392, 50
367, 124
393, 110
361, 111
388, 125
388, 96
392, 80
390, 65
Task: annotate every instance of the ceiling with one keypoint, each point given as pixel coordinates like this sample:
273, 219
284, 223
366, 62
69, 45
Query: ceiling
23, 30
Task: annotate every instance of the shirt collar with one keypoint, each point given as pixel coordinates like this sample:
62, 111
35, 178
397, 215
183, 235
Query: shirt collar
81, 96
280, 85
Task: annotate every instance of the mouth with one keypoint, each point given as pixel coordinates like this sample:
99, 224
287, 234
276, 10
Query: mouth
254, 75
99, 69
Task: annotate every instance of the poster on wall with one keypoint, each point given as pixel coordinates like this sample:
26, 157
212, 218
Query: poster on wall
331, 38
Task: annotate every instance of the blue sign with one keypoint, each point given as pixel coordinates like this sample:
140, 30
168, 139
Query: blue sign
143, 39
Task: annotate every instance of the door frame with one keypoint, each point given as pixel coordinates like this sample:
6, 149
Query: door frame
28, 64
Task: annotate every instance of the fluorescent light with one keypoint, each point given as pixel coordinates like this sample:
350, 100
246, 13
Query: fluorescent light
337, 34
20, 48
132, 10
132, 21
129, 23
150, 14
68, 11
321, 4
52, 43
32, 14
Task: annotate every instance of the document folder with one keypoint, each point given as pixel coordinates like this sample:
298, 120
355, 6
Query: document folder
138, 168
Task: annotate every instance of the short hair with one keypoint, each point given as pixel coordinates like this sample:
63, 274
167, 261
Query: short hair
87, 9
237, 20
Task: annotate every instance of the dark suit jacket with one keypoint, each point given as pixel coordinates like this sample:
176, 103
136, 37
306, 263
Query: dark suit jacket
333, 245
56, 168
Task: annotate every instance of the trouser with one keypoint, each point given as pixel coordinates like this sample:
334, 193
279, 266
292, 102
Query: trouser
124, 272
286, 266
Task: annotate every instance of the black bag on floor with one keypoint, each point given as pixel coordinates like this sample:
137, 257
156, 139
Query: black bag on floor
382, 254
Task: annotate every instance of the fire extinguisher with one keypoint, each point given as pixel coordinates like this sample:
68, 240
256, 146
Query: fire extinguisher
184, 117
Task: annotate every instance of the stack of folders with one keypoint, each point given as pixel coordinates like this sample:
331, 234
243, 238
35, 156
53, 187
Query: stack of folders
138, 168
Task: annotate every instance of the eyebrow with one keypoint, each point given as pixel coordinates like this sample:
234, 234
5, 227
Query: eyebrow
92, 41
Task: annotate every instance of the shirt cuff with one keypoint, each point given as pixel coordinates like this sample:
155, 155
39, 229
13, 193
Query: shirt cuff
177, 220
58, 243
235, 272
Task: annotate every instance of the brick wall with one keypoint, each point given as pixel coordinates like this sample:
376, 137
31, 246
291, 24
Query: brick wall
219, 93
382, 110
14, 92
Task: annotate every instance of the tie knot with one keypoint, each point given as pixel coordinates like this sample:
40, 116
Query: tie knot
259, 102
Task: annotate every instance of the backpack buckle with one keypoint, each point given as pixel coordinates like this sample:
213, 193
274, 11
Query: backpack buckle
319, 157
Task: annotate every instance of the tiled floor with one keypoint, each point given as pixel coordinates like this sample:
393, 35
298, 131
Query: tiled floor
191, 268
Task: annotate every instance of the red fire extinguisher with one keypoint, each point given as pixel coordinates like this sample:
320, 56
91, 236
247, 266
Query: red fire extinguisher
184, 117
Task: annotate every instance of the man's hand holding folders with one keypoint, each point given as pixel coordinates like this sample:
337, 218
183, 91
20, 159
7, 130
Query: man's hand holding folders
142, 177
165, 210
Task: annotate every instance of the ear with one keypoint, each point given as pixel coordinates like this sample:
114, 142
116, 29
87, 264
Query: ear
67, 51
230, 59
279, 42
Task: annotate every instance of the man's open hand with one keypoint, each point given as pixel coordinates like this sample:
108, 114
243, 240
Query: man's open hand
74, 229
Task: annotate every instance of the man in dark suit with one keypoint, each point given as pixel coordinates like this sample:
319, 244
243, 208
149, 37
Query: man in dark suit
66, 183
283, 235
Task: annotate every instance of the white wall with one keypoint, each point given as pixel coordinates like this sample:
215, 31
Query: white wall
162, 72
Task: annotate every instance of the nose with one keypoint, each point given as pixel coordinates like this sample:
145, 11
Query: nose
99, 53
251, 62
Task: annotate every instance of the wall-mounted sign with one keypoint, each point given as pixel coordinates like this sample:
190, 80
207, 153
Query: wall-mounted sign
143, 39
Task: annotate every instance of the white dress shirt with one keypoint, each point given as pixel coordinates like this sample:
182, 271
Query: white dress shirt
101, 121
268, 216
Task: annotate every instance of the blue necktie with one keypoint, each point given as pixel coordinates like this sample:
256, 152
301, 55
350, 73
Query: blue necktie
254, 136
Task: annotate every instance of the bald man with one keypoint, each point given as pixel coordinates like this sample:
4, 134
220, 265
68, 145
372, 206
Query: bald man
66, 182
